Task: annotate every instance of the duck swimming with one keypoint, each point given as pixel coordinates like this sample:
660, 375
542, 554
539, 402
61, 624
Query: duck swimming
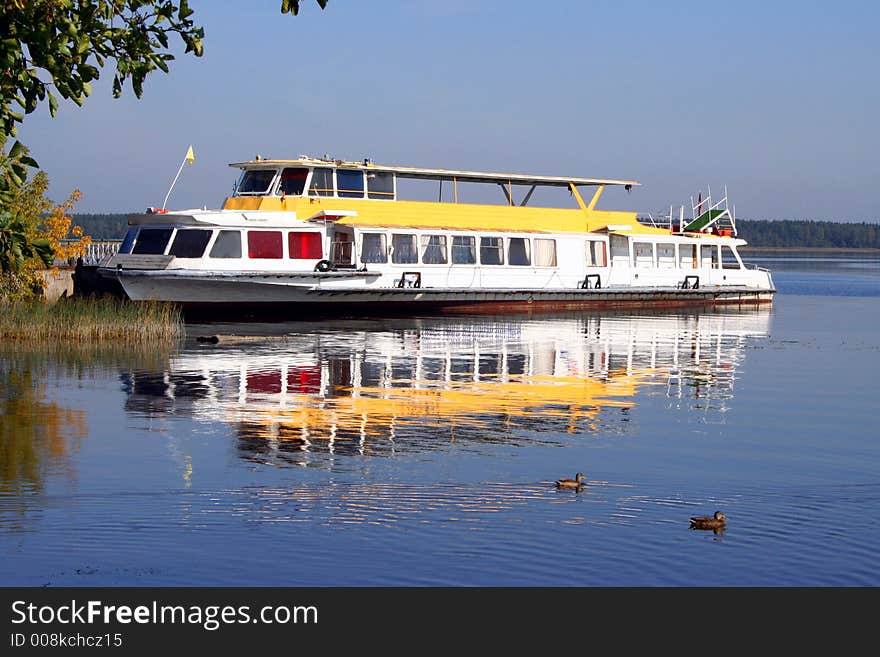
577, 482
718, 521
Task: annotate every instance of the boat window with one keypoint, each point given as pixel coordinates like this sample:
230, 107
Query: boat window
491, 251
518, 252
380, 184
403, 249
152, 241
595, 253
264, 244
666, 256
350, 184
255, 181
293, 181
340, 250
305, 245
434, 249
190, 243
374, 248
709, 256
227, 244
464, 250
643, 254
729, 259
545, 253
128, 241
322, 182
687, 256
619, 251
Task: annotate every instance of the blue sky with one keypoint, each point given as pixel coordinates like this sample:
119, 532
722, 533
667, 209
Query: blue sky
777, 100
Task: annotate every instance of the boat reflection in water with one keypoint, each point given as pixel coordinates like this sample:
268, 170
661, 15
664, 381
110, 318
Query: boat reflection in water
381, 387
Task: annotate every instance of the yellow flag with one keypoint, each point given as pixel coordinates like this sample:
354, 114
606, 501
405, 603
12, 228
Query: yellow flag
190, 156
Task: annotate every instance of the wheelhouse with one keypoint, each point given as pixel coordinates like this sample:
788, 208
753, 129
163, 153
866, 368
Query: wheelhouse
219, 244
316, 181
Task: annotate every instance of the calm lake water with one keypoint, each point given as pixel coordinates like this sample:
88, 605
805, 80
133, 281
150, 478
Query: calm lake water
423, 451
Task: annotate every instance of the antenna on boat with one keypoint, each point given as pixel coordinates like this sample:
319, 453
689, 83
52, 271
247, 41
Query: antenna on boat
189, 157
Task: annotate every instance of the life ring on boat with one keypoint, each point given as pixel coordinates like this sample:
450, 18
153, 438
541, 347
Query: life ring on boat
323, 265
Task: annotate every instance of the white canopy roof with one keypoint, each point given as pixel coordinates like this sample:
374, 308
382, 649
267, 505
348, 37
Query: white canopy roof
437, 174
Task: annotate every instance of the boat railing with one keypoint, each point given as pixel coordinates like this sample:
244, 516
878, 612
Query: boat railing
647, 219
719, 214
665, 219
95, 251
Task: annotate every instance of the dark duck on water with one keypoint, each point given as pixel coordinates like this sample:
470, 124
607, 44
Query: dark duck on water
717, 521
576, 483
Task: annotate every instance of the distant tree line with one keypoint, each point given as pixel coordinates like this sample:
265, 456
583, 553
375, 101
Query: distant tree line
102, 226
810, 234
784, 233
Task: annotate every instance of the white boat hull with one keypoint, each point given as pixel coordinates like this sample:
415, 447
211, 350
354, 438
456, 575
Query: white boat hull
343, 291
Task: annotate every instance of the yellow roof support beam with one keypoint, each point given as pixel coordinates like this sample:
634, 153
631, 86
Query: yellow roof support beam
595, 199
577, 196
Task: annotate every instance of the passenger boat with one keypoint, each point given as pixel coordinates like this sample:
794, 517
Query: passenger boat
331, 235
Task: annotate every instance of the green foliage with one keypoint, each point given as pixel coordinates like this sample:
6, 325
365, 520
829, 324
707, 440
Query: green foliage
29, 204
13, 171
63, 45
292, 6
809, 234
25, 286
17, 246
57, 48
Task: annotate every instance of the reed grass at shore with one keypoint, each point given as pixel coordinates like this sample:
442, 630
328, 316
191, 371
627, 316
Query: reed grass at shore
91, 320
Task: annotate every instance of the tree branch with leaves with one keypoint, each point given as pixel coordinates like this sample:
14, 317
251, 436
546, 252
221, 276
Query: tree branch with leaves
57, 48
51, 49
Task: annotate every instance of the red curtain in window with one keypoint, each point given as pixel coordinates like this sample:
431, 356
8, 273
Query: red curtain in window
264, 244
306, 246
